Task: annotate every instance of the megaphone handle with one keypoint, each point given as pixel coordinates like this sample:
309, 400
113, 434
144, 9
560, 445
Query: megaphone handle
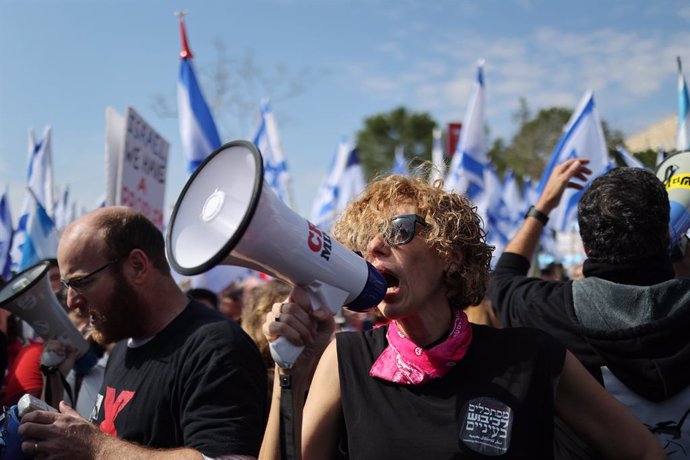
321, 295
285, 353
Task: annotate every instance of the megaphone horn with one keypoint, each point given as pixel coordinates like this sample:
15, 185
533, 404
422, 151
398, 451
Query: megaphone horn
30, 296
226, 214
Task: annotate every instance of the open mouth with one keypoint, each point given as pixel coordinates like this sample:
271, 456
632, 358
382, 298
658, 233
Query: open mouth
391, 280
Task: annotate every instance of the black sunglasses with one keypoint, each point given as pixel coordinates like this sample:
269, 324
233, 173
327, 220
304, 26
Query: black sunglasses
401, 229
78, 284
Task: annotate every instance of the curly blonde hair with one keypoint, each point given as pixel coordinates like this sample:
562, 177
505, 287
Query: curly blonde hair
257, 304
454, 231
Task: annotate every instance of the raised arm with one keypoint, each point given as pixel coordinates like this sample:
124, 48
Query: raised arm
526, 239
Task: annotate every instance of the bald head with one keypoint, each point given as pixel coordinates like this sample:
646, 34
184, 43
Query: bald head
114, 232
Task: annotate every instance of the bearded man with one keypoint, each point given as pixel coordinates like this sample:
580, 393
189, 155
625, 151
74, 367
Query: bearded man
183, 380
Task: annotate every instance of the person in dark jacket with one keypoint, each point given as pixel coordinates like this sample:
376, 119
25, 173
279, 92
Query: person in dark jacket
627, 319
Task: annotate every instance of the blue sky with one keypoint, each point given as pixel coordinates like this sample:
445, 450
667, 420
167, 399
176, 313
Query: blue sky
65, 61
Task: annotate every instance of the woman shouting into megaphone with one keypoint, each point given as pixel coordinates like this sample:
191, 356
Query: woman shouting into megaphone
429, 384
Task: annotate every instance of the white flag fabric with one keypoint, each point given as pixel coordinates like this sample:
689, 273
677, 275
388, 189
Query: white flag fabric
513, 198
344, 182
466, 171
41, 171
399, 162
439, 167
530, 195
41, 238
6, 232
326, 201
197, 128
582, 137
267, 141
352, 183
629, 159
682, 137
39, 188
499, 224
61, 213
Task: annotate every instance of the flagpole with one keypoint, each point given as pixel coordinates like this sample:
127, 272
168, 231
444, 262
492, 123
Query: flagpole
185, 52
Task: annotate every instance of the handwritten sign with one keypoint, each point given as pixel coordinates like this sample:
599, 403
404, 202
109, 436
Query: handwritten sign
141, 167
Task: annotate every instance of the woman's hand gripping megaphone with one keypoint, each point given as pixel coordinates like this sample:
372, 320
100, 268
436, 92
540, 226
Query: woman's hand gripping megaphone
300, 327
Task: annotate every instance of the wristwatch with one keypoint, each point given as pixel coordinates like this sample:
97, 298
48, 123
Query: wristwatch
537, 214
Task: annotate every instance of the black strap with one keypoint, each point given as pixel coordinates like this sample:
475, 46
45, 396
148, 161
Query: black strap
537, 214
48, 371
78, 379
287, 429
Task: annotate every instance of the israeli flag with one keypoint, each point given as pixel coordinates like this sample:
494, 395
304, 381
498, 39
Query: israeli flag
499, 224
40, 178
682, 138
582, 138
6, 232
39, 186
629, 159
41, 238
267, 141
399, 162
325, 205
530, 195
197, 128
513, 199
345, 181
61, 213
466, 172
352, 184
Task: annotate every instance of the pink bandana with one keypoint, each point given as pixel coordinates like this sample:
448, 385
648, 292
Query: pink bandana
405, 363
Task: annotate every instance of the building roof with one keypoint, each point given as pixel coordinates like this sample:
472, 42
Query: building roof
659, 136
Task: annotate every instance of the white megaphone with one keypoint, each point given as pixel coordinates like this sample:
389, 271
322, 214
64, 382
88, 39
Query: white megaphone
674, 172
226, 214
29, 296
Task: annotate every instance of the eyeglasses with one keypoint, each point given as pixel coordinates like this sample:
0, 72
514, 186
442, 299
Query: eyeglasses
401, 229
78, 284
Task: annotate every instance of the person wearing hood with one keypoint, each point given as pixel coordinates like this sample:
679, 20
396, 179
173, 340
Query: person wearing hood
627, 319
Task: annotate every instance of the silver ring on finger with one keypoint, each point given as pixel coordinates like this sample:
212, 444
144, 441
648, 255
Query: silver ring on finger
36, 447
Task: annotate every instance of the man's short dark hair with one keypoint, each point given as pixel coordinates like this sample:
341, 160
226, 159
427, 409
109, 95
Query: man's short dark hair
125, 230
624, 216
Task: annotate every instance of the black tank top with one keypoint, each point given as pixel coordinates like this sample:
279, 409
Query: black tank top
497, 401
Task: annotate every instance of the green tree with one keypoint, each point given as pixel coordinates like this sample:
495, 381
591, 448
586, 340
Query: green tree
648, 157
382, 133
530, 149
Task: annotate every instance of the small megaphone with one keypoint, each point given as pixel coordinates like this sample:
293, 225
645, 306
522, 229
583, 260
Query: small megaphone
226, 214
674, 172
29, 296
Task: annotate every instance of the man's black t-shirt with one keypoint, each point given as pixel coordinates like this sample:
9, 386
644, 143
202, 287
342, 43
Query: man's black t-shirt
199, 383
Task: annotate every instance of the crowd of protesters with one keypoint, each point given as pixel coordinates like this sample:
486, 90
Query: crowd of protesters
456, 361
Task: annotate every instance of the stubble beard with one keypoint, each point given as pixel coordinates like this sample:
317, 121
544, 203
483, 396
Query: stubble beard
120, 318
